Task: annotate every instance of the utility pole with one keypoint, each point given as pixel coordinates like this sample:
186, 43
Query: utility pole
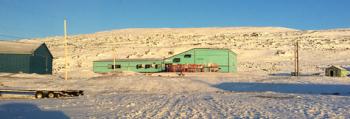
114, 58
296, 59
65, 50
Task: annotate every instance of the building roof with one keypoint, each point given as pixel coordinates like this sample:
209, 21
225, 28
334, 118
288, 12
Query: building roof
202, 48
10, 47
128, 60
347, 68
338, 67
215, 49
157, 59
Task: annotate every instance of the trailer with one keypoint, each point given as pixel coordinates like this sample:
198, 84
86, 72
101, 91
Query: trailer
44, 93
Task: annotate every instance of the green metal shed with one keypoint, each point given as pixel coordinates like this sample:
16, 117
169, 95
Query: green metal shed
226, 59
23, 57
135, 65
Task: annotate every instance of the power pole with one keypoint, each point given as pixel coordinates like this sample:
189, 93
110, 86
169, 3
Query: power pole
65, 50
296, 59
114, 59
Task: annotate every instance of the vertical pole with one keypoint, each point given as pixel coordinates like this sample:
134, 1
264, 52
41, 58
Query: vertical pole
114, 58
65, 50
297, 57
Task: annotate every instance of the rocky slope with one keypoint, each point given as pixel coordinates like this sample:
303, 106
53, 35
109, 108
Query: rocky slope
259, 49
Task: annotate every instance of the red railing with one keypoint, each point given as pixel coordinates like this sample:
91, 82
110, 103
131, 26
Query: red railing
192, 68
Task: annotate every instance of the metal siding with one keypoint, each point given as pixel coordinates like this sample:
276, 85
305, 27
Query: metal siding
38, 65
232, 62
226, 59
102, 67
41, 62
182, 59
209, 56
14, 63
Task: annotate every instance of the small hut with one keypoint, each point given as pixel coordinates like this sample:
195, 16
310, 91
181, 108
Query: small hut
336, 71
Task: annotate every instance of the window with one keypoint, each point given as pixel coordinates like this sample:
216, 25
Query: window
187, 56
176, 60
138, 66
118, 66
148, 66
156, 66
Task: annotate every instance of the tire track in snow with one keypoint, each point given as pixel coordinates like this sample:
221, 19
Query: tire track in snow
170, 107
155, 111
213, 106
196, 107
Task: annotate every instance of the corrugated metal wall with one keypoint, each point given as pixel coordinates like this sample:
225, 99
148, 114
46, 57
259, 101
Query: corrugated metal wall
41, 62
226, 59
38, 65
14, 63
232, 61
106, 66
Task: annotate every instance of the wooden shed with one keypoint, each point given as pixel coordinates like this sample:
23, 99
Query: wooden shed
23, 57
336, 71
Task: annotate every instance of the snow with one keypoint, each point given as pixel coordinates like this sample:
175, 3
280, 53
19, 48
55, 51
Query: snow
196, 95
262, 87
28, 111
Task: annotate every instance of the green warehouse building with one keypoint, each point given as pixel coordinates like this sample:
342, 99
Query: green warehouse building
18, 57
193, 60
135, 65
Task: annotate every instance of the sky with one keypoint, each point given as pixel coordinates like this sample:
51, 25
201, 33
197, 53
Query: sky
21, 19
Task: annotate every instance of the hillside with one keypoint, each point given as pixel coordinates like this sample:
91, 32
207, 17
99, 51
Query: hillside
260, 49
260, 89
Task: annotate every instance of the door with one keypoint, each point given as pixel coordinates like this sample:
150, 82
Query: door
331, 73
168, 67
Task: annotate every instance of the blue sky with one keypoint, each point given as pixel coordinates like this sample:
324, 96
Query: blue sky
43, 18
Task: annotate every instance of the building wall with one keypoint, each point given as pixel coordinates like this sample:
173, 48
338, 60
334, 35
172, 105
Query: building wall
15, 63
232, 62
226, 59
106, 66
336, 72
41, 61
344, 73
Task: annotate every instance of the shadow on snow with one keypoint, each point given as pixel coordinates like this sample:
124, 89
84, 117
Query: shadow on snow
322, 89
28, 111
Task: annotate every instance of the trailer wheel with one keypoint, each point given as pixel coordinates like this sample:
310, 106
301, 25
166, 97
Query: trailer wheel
76, 94
39, 94
51, 95
81, 92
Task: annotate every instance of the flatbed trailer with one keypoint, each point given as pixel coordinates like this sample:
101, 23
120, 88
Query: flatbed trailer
44, 93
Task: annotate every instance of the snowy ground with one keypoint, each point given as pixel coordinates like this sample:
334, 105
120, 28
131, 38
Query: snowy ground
209, 95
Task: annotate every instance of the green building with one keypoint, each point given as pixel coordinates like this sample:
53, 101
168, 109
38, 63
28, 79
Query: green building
336, 71
18, 57
135, 65
223, 60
